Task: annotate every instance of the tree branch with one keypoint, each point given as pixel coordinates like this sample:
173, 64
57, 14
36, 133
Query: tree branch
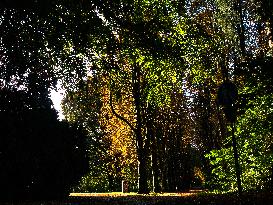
119, 116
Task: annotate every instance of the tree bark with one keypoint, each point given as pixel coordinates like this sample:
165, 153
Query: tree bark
152, 136
141, 149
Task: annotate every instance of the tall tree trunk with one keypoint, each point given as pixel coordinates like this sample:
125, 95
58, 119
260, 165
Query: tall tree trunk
171, 174
141, 149
155, 168
163, 162
143, 174
111, 182
151, 137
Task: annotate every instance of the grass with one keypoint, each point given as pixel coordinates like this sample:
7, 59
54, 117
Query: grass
120, 194
188, 198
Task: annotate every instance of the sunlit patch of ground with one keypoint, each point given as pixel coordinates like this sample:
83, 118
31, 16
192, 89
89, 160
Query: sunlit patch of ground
193, 197
120, 194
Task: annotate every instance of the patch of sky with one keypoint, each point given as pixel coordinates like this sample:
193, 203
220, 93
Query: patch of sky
57, 96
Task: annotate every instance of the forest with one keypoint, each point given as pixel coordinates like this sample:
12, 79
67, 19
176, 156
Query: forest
167, 95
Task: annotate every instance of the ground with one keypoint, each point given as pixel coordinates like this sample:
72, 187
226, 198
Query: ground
188, 198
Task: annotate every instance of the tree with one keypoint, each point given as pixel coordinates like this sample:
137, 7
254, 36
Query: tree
109, 138
145, 54
250, 71
142, 65
41, 157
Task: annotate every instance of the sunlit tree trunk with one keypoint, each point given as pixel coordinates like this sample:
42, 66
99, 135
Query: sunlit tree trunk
155, 167
151, 136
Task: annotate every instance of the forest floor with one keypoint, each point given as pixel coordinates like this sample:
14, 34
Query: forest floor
187, 198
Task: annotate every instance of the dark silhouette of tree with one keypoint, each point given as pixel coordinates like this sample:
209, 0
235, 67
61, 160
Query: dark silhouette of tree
40, 156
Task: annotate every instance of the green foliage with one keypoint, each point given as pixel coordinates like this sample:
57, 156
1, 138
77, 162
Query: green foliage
93, 184
162, 61
254, 137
